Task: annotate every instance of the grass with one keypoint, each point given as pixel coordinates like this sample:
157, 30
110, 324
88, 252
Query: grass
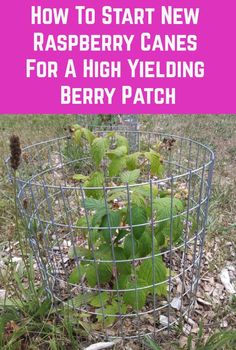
28, 329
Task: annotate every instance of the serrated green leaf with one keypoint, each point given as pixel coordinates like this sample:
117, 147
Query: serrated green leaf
80, 300
162, 207
75, 127
98, 149
103, 270
82, 221
121, 282
132, 160
160, 237
131, 247
113, 309
77, 274
82, 224
163, 194
79, 252
123, 268
137, 217
94, 204
155, 162
110, 134
116, 166
122, 141
88, 135
145, 244
112, 220
96, 179
152, 277
103, 253
80, 177
130, 177
98, 216
117, 152
99, 299
137, 199
77, 136
117, 194
136, 298
145, 191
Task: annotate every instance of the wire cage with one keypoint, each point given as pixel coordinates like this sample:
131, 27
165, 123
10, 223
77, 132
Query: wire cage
64, 239
110, 121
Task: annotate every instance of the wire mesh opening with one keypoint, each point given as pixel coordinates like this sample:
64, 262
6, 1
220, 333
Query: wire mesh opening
144, 276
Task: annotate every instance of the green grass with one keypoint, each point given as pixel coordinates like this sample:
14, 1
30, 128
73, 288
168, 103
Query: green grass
219, 132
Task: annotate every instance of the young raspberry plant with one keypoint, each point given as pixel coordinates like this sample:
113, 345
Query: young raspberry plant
125, 224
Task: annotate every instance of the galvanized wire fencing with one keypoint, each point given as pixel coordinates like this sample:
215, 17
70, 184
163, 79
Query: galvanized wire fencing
125, 122
128, 259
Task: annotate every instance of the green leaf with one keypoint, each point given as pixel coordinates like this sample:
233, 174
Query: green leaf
77, 136
122, 267
138, 217
162, 206
145, 244
118, 194
113, 309
77, 274
132, 160
136, 298
130, 177
121, 282
160, 274
82, 222
116, 166
92, 237
129, 243
93, 204
160, 237
138, 199
112, 220
80, 300
98, 149
79, 252
88, 135
104, 271
103, 253
86, 223
122, 141
80, 177
117, 152
96, 179
44, 308
75, 127
99, 299
97, 217
155, 163
145, 191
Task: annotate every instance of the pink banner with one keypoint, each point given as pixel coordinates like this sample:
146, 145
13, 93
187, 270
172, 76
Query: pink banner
161, 81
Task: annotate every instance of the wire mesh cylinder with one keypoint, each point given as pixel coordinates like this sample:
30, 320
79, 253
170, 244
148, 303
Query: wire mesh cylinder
162, 269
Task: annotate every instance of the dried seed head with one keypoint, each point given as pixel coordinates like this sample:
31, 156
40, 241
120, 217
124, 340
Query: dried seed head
25, 156
25, 203
168, 143
71, 129
15, 152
